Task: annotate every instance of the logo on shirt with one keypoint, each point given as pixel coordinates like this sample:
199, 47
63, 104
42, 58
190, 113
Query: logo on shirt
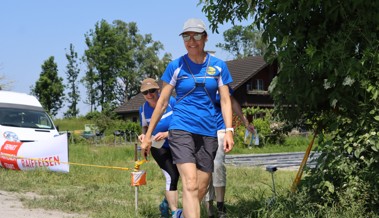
211, 71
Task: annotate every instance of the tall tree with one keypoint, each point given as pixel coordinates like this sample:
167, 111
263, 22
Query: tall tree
140, 59
89, 83
243, 41
49, 88
72, 76
328, 53
121, 58
102, 54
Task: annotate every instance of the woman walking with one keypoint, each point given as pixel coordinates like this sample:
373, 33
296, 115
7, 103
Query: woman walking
196, 78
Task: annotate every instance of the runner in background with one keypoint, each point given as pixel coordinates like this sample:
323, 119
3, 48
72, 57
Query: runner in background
217, 186
160, 149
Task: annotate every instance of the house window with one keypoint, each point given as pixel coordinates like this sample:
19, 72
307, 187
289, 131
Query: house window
259, 84
255, 85
134, 119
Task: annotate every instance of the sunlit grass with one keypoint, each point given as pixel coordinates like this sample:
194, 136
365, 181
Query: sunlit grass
102, 192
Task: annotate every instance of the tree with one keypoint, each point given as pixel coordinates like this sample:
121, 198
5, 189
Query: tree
328, 53
72, 76
5, 84
140, 59
49, 88
242, 41
89, 83
120, 58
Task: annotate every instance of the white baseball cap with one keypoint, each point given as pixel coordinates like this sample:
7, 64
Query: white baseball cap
194, 25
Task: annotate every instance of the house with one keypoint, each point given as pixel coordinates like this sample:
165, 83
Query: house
251, 78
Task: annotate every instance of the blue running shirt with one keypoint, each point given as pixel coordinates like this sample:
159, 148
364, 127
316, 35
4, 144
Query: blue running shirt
146, 111
194, 111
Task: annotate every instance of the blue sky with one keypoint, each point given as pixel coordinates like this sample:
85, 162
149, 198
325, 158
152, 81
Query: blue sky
32, 31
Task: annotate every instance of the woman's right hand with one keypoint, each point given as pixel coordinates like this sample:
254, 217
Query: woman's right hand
141, 137
145, 146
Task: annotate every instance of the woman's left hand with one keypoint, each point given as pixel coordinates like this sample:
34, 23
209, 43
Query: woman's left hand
160, 136
228, 141
250, 128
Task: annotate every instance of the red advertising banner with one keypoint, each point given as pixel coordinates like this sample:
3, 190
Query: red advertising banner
50, 153
7, 151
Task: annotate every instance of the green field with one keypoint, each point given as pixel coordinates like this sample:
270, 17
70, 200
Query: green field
106, 192
96, 189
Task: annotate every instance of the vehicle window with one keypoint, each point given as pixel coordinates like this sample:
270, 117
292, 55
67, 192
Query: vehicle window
25, 118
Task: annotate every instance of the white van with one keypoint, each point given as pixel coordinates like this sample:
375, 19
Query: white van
23, 119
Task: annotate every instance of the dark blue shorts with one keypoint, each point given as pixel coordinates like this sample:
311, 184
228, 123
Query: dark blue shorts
188, 147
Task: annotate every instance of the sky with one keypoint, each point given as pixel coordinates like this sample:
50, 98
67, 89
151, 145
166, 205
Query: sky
32, 31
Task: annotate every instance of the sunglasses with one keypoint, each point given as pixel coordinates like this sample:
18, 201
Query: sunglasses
196, 37
151, 91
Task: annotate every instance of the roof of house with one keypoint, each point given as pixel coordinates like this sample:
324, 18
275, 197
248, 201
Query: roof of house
244, 69
241, 70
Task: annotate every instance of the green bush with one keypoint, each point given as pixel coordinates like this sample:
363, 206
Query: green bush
239, 134
92, 115
348, 168
107, 123
71, 124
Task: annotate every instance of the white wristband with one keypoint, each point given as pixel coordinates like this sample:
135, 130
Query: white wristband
230, 129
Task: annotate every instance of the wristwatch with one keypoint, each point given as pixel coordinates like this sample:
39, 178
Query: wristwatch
230, 129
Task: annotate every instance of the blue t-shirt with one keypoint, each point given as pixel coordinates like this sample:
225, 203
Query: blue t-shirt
195, 110
146, 112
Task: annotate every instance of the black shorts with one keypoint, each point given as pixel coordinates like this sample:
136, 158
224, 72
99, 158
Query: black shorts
188, 147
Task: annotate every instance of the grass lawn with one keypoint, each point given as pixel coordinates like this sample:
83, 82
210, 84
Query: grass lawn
102, 192
105, 192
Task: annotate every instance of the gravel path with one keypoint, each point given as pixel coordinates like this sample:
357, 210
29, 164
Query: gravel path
290, 160
11, 207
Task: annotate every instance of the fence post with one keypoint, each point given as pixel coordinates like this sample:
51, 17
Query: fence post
136, 187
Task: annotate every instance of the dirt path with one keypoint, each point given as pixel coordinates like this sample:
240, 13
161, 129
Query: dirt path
12, 207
